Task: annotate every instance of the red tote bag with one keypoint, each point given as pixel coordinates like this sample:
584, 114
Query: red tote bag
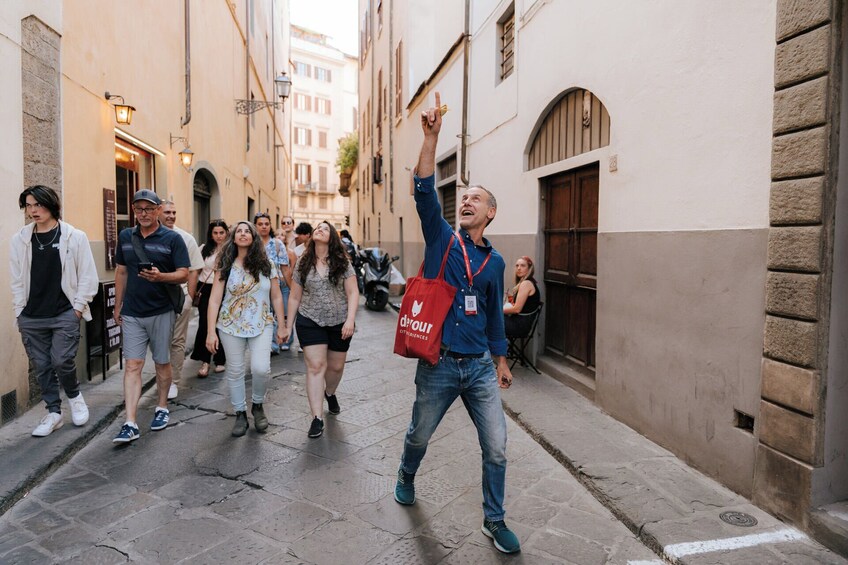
422, 314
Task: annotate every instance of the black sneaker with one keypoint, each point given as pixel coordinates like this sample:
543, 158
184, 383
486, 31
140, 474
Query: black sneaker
317, 427
241, 425
260, 421
332, 403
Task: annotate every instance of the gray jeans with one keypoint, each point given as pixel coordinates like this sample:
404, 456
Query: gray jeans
51, 344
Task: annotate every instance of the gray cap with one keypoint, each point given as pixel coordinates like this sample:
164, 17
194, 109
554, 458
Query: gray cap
148, 195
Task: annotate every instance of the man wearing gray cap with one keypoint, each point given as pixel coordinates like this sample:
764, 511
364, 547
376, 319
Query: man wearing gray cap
152, 262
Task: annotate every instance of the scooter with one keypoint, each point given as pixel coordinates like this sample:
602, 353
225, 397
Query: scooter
376, 275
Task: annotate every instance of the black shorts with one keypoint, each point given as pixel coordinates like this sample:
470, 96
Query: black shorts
310, 333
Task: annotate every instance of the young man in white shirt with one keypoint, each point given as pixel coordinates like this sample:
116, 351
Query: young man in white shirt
57, 257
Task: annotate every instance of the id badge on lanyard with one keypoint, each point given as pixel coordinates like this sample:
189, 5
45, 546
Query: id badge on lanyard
470, 304
471, 299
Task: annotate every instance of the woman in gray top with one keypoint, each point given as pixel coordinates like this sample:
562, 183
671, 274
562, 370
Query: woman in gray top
322, 304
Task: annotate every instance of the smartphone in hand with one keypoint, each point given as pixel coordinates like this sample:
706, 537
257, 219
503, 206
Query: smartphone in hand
145, 266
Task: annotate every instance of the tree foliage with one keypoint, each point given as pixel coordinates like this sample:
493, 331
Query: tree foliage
348, 154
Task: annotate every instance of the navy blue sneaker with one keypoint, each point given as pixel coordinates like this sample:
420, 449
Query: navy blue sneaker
160, 420
127, 434
505, 540
405, 488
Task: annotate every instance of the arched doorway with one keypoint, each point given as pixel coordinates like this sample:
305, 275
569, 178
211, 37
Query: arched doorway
575, 123
206, 202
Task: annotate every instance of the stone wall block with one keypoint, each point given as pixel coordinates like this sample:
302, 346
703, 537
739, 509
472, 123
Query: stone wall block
38, 45
795, 249
788, 432
801, 106
46, 33
792, 341
794, 16
799, 154
38, 69
796, 201
802, 57
791, 386
792, 294
782, 485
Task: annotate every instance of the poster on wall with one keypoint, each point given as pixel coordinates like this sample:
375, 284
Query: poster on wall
110, 226
112, 331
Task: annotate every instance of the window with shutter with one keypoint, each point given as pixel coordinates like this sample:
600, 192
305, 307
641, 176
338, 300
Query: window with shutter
506, 41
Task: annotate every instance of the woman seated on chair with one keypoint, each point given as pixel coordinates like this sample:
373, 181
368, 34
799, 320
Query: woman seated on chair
523, 298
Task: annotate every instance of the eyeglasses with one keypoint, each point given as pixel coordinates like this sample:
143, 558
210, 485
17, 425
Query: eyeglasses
287, 222
141, 211
261, 215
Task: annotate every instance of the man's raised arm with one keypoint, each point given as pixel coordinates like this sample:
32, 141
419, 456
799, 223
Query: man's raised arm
431, 123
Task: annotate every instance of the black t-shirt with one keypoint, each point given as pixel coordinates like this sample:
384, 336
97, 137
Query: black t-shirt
46, 299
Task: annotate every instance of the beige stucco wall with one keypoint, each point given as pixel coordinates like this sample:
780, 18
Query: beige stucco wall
154, 83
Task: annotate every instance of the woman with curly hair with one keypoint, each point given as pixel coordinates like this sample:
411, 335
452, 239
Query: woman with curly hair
216, 234
244, 291
322, 304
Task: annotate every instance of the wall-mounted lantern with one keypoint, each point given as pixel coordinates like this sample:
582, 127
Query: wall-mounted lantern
186, 155
282, 88
123, 111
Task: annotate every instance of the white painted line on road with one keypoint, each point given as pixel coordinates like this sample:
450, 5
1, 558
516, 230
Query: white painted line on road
651, 562
696, 547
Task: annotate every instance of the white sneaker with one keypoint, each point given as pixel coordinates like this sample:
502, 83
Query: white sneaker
79, 411
52, 421
173, 392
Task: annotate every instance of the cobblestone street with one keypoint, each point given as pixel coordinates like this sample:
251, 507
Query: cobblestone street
193, 494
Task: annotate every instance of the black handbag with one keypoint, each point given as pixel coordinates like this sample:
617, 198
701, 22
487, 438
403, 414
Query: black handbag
175, 291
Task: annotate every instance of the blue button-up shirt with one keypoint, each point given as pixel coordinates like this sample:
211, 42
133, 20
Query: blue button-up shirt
462, 333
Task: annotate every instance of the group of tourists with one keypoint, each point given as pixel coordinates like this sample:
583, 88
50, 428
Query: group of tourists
254, 291
243, 280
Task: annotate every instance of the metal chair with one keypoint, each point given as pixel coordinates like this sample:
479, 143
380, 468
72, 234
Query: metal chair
517, 343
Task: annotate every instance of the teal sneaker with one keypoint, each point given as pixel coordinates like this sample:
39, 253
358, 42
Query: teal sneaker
405, 488
505, 540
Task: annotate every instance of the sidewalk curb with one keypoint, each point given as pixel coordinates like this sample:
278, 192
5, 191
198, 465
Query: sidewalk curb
594, 489
39, 474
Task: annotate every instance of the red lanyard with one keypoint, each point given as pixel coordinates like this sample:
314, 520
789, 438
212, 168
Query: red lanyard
468, 263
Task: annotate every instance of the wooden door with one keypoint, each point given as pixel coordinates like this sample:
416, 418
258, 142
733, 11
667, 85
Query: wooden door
571, 261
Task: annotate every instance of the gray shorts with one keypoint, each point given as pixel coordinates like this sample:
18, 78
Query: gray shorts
154, 330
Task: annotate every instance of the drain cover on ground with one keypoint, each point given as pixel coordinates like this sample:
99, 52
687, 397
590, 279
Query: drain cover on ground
738, 519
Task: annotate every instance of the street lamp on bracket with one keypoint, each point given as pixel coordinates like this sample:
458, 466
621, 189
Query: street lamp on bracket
282, 88
186, 155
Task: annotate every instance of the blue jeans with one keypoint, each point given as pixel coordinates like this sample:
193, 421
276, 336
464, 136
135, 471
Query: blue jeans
475, 382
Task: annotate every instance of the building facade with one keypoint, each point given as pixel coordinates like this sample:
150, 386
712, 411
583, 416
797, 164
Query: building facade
164, 59
323, 110
672, 172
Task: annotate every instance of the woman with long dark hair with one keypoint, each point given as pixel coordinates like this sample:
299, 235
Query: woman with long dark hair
216, 234
522, 298
323, 302
240, 308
